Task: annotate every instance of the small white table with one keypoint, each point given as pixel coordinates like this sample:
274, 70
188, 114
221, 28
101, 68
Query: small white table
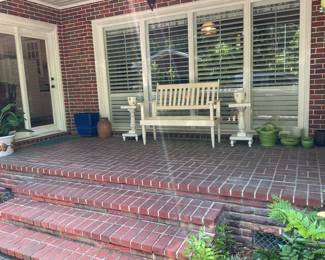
241, 135
132, 132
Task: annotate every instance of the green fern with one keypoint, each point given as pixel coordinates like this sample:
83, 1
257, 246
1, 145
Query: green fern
304, 232
307, 224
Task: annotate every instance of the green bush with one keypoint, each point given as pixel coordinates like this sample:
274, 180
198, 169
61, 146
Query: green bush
204, 247
304, 232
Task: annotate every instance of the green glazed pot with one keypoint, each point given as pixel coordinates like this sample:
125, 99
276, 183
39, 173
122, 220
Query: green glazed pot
307, 142
267, 138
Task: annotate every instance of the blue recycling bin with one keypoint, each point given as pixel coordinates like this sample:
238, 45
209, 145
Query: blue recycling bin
86, 123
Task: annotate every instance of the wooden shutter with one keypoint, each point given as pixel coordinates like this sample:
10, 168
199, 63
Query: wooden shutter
124, 70
276, 63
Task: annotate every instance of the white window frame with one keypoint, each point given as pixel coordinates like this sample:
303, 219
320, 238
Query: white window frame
191, 10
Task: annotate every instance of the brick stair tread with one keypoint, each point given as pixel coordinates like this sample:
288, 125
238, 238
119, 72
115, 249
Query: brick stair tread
22, 243
134, 234
113, 197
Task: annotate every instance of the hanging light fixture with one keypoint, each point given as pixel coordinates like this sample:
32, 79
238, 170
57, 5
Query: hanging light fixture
209, 28
152, 4
322, 6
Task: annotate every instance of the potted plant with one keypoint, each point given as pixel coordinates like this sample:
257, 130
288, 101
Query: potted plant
268, 134
307, 142
289, 139
11, 121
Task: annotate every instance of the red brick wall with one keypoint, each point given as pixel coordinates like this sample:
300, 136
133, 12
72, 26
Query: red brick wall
77, 55
29, 10
77, 52
317, 77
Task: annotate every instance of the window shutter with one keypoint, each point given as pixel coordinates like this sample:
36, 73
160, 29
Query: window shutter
124, 72
124, 60
168, 43
220, 56
276, 63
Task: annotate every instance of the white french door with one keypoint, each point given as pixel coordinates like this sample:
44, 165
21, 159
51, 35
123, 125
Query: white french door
30, 74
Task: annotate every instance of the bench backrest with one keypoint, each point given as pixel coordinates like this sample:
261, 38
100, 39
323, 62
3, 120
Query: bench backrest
187, 96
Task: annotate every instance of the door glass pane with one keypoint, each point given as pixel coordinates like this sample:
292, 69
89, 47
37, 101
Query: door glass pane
9, 76
37, 79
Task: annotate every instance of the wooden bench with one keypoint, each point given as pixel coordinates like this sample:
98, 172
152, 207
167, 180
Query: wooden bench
177, 97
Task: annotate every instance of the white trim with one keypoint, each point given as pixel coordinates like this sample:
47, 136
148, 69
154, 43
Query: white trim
45, 31
163, 12
191, 10
101, 71
146, 69
248, 57
304, 64
191, 47
40, 2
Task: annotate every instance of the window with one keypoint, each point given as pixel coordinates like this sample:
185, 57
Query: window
168, 43
220, 56
124, 60
125, 71
174, 49
276, 63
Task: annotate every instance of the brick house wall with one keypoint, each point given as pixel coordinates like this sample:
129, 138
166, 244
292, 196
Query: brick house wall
317, 70
77, 53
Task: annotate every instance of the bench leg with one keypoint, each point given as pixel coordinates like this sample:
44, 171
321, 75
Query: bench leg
144, 136
213, 137
219, 133
154, 133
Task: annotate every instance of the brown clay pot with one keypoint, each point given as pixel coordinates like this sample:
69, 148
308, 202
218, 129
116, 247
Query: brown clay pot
104, 128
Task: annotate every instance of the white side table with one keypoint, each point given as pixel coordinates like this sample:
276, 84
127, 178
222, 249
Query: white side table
241, 135
132, 132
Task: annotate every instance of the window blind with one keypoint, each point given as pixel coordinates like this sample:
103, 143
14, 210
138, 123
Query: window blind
220, 56
124, 72
276, 63
124, 60
168, 44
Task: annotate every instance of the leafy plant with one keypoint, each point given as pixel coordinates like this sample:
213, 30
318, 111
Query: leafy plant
264, 254
10, 120
199, 247
304, 231
204, 247
222, 243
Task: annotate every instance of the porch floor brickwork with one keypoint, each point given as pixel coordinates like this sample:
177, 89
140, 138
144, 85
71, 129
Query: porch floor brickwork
240, 172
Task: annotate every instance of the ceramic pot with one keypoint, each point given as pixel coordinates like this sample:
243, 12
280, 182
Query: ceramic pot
307, 142
320, 137
132, 101
239, 96
6, 145
104, 128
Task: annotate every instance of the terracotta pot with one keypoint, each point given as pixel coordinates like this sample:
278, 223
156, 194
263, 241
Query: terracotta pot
104, 128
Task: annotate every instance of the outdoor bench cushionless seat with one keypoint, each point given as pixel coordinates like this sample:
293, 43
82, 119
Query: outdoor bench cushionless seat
177, 97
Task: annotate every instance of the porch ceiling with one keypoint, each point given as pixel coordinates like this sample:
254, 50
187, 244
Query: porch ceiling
62, 4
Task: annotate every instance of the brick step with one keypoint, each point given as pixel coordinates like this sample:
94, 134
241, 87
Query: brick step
9, 180
174, 209
126, 233
22, 243
239, 193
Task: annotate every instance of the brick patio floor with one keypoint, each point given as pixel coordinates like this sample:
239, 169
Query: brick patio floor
255, 173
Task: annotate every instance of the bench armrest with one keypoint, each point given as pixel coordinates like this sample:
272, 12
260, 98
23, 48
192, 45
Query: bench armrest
142, 110
215, 106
